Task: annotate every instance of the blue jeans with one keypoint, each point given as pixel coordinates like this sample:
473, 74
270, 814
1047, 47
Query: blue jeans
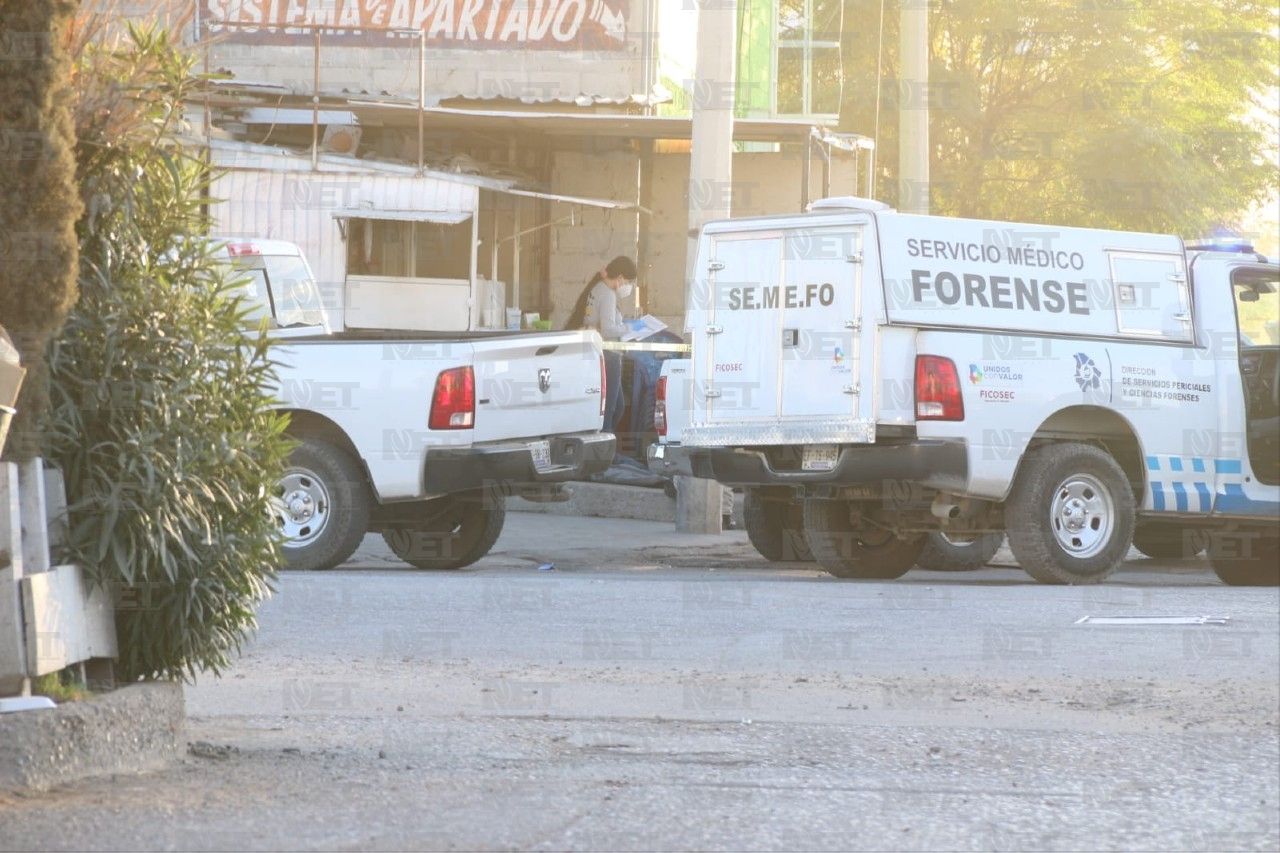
613, 389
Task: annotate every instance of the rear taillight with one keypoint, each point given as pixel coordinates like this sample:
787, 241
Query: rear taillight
660, 407
453, 405
603, 390
938, 396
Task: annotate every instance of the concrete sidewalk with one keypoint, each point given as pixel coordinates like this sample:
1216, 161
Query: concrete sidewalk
605, 500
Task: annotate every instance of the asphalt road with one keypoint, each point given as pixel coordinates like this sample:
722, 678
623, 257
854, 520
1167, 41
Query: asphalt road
654, 692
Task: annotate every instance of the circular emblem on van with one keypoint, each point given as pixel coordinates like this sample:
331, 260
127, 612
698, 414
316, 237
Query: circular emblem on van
1087, 373
975, 374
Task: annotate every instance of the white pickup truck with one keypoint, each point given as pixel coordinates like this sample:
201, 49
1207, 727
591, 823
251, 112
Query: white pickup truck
417, 436
894, 375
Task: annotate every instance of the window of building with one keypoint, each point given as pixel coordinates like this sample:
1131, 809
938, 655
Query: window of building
397, 249
807, 57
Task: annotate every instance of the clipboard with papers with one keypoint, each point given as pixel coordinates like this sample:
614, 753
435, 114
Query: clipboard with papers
641, 328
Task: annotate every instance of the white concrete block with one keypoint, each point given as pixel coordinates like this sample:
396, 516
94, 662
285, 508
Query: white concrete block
35, 524
66, 620
13, 659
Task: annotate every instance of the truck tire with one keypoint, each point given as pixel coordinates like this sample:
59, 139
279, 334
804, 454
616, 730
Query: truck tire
1237, 562
848, 550
944, 553
456, 531
323, 505
1070, 514
776, 528
1164, 541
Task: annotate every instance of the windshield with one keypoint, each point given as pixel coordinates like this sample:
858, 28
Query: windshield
1258, 312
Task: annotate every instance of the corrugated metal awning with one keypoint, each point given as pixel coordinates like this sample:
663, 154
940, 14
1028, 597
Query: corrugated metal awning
442, 217
611, 124
396, 112
236, 156
605, 203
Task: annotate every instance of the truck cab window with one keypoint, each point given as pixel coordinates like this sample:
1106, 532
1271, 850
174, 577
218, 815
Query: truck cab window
1257, 301
281, 288
256, 301
1258, 312
293, 292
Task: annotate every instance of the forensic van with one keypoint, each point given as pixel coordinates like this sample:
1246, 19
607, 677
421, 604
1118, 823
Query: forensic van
894, 374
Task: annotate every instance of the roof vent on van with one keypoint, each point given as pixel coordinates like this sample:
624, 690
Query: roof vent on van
847, 202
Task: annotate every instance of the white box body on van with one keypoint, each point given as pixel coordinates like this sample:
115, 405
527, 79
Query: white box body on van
854, 353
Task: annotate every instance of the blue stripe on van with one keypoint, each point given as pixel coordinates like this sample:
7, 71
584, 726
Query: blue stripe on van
1234, 500
1227, 466
1175, 463
1180, 495
1153, 463
1157, 496
1206, 497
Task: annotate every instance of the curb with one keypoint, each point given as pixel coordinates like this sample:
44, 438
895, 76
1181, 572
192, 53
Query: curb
605, 500
608, 500
128, 730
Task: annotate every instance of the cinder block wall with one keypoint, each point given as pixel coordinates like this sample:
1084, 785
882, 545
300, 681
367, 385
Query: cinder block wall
577, 250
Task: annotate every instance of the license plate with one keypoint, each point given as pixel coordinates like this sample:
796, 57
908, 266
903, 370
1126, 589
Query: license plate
819, 458
541, 451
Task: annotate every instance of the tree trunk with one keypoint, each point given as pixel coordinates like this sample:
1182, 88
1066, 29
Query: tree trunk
39, 198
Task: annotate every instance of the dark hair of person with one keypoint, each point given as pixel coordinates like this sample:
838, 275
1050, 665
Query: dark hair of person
619, 266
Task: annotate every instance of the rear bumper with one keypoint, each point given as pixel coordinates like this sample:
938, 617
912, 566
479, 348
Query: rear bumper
668, 460
573, 457
937, 464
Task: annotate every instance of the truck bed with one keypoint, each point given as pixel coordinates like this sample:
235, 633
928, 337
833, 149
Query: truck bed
378, 388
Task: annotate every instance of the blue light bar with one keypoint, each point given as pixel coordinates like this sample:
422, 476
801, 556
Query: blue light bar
1223, 240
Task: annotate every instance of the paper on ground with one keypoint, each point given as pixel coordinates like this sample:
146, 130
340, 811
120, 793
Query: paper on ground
1153, 620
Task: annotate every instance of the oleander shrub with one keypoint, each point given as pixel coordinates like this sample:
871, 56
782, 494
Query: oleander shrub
160, 414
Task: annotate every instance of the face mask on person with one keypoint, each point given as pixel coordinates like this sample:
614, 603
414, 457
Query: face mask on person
625, 289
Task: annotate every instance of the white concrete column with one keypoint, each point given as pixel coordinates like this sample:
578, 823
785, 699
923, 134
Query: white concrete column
710, 192
913, 109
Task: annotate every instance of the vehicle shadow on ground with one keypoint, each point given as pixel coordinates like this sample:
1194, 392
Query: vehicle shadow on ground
661, 563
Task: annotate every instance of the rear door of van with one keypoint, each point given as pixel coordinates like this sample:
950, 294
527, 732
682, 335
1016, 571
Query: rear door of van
777, 346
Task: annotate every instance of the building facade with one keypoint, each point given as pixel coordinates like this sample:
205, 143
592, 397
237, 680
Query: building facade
569, 102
